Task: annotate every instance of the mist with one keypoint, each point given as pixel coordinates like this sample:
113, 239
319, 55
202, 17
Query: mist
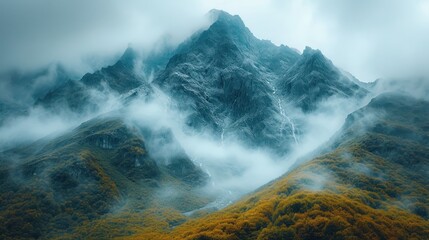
83, 39
235, 168
36, 122
84, 35
417, 87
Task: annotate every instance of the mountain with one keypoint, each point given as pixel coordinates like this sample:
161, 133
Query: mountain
20, 89
234, 84
314, 78
90, 93
231, 84
372, 184
53, 185
223, 76
24, 87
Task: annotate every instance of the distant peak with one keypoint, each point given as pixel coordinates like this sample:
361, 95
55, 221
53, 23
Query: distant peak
217, 15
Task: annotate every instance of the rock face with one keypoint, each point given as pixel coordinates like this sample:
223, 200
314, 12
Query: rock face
234, 84
313, 78
119, 77
224, 76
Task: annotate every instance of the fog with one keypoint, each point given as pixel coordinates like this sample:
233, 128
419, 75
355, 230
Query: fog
416, 87
235, 168
231, 165
320, 126
37, 122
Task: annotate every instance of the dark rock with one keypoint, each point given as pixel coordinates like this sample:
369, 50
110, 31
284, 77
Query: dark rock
314, 78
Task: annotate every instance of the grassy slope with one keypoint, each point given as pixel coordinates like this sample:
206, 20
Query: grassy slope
87, 176
371, 185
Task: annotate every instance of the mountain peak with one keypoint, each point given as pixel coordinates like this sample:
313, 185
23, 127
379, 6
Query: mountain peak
228, 28
224, 17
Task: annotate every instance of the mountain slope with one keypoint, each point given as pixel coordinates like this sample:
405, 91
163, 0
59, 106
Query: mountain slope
89, 94
314, 78
235, 85
223, 76
372, 184
102, 167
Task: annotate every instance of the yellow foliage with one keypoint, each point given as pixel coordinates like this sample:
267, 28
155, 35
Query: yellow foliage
351, 205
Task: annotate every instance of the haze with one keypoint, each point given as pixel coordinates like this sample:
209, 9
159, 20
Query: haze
370, 39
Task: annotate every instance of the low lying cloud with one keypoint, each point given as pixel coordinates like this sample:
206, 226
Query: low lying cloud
231, 166
37, 122
415, 87
320, 126
234, 168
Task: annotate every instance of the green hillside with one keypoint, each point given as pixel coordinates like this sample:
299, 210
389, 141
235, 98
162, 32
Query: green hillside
101, 168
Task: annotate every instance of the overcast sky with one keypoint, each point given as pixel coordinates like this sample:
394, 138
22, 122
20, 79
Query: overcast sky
368, 38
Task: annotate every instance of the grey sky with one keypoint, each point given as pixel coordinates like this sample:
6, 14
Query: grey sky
368, 38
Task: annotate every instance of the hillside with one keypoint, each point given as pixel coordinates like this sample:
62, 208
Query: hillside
371, 185
102, 167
